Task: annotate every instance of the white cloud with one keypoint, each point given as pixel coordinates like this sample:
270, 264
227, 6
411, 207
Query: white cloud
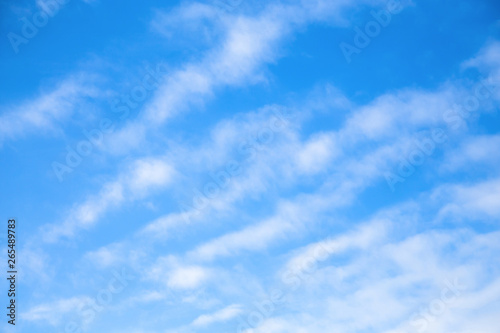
148, 174
317, 153
361, 237
474, 151
54, 312
247, 44
222, 315
393, 114
187, 277
488, 56
254, 237
477, 201
142, 177
46, 112
178, 276
407, 274
190, 21
487, 62
377, 275
114, 254
402, 112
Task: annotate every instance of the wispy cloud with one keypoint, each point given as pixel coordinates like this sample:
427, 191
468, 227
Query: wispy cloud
270, 210
141, 178
225, 314
47, 112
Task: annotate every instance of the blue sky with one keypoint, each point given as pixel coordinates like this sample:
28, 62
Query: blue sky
252, 166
